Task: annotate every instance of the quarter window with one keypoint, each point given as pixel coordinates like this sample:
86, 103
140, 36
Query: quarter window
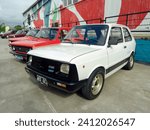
127, 35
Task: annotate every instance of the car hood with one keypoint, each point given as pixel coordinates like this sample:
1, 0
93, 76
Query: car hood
20, 38
30, 43
63, 52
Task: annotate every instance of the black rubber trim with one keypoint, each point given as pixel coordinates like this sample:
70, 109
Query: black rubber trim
116, 66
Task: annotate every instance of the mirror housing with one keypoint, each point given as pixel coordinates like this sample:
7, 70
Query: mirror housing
114, 41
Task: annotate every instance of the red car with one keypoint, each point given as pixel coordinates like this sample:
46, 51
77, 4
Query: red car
5, 35
45, 36
19, 33
1, 34
29, 36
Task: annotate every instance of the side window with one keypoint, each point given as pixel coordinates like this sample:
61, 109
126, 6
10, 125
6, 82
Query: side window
127, 35
116, 33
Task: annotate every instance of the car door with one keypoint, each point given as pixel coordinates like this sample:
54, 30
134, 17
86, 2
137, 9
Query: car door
115, 52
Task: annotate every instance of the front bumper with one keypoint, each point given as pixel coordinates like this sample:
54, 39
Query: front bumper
70, 87
24, 55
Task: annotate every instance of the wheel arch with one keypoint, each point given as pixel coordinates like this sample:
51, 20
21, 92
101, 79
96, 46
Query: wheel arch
98, 67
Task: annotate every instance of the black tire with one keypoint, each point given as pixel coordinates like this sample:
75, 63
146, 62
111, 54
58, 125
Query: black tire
94, 88
130, 63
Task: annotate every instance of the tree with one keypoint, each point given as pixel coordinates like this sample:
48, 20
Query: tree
2, 27
18, 27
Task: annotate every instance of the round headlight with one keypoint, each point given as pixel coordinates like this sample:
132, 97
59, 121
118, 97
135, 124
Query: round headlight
13, 48
64, 68
30, 59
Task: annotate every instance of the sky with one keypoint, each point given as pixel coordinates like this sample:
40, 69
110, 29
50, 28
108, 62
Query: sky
11, 11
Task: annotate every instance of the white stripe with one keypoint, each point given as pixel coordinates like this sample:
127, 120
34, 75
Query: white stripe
48, 102
144, 22
112, 7
74, 10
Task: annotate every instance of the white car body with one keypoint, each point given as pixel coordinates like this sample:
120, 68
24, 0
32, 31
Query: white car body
88, 58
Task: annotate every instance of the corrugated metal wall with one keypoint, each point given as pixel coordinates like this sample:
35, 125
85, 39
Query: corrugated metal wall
142, 51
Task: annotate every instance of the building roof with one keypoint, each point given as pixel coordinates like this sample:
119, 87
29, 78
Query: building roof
31, 6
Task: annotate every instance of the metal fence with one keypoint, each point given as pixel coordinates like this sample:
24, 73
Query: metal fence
137, 22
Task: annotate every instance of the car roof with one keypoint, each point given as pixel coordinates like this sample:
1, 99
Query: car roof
109, 24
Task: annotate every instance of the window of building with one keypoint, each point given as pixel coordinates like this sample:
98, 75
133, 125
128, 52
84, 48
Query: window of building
69, 2
65, 2
40, 4
75, 1
55, 24
34, 8
29, 19
44, 1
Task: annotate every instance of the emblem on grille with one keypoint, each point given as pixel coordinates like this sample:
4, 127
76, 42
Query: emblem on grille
51, 69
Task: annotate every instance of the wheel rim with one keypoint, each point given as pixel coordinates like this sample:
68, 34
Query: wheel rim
131, 61
97, 84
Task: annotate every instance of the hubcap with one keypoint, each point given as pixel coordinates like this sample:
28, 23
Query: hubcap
131, 61
97, 84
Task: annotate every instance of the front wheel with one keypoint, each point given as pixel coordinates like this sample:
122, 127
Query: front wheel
130, 63
94, 85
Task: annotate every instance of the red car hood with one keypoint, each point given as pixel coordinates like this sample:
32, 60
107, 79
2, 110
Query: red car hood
21, 38
35, 43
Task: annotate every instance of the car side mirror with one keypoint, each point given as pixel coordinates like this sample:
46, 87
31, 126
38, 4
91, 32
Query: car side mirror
114, 41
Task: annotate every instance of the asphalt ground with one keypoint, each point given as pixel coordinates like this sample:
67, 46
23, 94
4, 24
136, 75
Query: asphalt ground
125, 91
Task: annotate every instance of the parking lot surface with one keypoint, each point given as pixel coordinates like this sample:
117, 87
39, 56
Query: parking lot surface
125, 91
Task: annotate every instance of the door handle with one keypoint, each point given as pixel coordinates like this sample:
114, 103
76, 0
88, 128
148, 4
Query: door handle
125, 47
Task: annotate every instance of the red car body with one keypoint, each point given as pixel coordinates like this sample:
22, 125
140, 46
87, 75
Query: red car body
6, 35
21, 48
29, 36
20, 33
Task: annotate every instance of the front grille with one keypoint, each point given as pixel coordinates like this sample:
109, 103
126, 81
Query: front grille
21, 49
45, 65
51, 68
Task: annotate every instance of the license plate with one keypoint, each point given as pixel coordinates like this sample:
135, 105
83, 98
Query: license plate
19, 57
42, 80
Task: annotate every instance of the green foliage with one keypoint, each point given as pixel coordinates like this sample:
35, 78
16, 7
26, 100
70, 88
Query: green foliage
18, 27
2, 27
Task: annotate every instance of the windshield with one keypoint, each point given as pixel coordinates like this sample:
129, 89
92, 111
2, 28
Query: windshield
87, 34
32, 33
19, 32
47, 33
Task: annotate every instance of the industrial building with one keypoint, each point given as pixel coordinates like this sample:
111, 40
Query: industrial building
47, 13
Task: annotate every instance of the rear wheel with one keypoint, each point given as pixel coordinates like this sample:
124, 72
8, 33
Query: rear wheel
130, 63
94, 85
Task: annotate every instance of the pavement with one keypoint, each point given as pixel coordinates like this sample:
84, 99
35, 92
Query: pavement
123, 92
